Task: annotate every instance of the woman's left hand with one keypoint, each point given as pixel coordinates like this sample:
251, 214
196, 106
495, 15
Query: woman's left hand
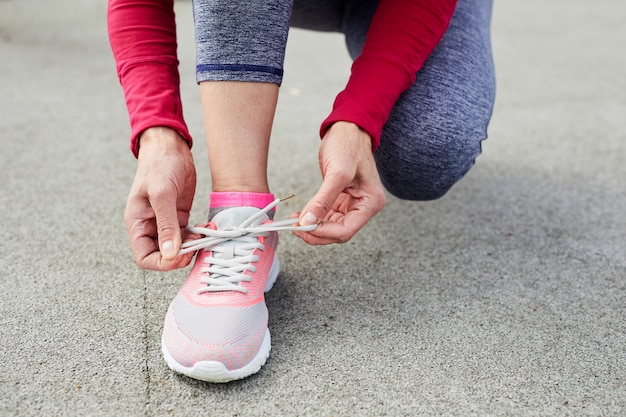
351, 192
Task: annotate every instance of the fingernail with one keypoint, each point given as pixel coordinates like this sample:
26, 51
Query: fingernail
167, 249
308, 219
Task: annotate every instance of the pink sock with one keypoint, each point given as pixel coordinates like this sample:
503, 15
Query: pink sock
221, 200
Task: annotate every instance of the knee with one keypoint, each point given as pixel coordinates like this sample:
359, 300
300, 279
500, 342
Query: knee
427, 169
419, 185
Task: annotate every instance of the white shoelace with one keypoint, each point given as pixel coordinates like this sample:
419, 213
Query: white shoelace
226, 268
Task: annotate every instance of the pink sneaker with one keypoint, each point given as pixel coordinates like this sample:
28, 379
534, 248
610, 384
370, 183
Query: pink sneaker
216, 327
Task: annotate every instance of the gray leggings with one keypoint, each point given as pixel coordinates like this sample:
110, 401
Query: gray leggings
435, 130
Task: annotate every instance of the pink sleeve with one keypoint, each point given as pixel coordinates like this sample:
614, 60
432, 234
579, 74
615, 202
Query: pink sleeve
143, 40
400, 38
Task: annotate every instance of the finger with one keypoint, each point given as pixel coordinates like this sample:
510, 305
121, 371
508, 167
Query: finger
139, 222
143, 241
188, 236
154, 261
168, 229
313, 240
142, 232
148, 256
337, 231
318, 207
344, 229
344, 221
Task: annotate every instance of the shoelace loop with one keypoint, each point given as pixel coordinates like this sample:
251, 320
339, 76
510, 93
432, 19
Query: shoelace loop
226, 267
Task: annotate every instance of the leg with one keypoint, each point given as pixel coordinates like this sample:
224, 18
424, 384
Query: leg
434, 132
238, 120
240, 53
216, 327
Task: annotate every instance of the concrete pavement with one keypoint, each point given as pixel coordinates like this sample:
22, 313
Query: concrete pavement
505, 298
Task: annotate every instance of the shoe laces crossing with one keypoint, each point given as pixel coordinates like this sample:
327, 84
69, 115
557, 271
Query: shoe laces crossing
232, 249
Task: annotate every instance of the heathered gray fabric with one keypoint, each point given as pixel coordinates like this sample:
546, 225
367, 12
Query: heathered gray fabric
434, 132
241, 40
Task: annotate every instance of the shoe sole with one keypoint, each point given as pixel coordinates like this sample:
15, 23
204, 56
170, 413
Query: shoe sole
213, 371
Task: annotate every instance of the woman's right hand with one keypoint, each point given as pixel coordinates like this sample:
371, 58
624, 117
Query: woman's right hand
160, 199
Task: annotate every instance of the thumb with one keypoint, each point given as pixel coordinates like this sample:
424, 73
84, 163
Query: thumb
318, 207
168, 229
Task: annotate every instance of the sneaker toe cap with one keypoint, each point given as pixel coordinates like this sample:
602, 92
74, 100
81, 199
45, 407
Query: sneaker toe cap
229, 335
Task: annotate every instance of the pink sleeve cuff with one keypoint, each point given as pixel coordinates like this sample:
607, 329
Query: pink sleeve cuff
152, 97
143, 41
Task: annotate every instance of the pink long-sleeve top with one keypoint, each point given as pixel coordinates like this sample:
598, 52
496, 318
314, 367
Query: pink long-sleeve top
401, 36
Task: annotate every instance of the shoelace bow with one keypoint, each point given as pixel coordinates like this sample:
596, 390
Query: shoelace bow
225, 269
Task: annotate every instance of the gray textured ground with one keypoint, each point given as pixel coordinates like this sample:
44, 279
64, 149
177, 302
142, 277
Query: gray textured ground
506, 297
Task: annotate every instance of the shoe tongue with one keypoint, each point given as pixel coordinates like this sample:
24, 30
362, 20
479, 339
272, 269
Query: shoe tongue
233, 217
